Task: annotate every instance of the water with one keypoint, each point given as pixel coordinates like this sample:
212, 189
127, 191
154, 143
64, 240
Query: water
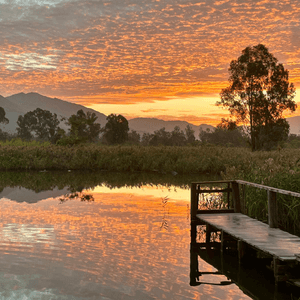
101, 243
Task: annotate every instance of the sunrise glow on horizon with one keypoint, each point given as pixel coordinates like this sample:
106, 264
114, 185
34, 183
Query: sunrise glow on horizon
165, 59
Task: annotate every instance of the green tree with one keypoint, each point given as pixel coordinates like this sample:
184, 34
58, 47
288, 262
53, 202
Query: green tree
223, 137
293, 141
177, 137
273, 134
40, 124
160, 137
146, 139
227, 124
3, 119
83, 127
258, 93
190, 134
116, 129
134, 137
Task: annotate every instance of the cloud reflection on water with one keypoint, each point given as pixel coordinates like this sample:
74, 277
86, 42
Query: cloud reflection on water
112, 248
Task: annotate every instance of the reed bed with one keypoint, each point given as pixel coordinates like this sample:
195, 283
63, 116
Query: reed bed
236, 163
279, 169
182, 160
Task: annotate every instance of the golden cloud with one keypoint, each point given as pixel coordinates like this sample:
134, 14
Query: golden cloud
95, 52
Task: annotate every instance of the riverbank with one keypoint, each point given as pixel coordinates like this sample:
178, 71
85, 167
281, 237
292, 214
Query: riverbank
232, 163
182, 160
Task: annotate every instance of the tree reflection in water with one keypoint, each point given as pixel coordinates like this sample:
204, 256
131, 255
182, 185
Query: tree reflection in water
77, 196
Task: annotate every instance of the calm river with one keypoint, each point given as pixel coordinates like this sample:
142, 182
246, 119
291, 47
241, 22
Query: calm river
108, 241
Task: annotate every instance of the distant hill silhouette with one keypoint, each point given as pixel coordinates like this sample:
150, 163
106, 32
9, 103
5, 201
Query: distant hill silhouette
21, 103
143, 125
294, 124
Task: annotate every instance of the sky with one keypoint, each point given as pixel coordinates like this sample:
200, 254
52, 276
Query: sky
166, 59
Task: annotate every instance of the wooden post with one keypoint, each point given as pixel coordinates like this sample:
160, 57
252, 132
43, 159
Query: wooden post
272, 210
228, 196
241, 250
193, 234
222, 241
194, 201
280, 271
194, 267
208, 234
236, 197
242, 199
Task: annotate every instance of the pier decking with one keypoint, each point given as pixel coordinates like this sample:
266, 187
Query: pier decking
282, 248
273, 241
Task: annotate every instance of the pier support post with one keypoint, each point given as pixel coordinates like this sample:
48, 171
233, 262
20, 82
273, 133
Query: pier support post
241, 250
280, 271
194, 267
193, 233
272, 210
208, 235
222, 241
194, 201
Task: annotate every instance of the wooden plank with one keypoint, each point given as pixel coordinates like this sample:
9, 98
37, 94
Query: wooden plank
215, 211
259, 235
296, 282
260, 186
213, 182
214, 191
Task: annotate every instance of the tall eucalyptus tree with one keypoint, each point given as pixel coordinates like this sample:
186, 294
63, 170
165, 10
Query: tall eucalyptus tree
258, 93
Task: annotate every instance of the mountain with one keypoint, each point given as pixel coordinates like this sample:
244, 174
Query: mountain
149, 125
294, 124
142, 125
21, 103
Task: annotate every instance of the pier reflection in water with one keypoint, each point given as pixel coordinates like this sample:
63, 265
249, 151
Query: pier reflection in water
123, 243
254, 279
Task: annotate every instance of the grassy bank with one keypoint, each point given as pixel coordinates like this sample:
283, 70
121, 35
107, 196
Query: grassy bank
277, 169
182, 160
232, 162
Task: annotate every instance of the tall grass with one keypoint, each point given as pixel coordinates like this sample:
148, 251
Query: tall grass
182, 160
279, 169
233, 163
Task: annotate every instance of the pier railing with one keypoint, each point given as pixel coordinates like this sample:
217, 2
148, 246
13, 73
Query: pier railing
235, 203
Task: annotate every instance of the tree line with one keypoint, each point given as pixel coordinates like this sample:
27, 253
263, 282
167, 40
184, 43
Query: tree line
42, 125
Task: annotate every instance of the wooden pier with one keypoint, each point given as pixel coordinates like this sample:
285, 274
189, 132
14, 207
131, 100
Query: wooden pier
247, 235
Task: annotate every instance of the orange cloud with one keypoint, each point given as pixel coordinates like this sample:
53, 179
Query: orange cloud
153, 110
213, 119
94, 52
